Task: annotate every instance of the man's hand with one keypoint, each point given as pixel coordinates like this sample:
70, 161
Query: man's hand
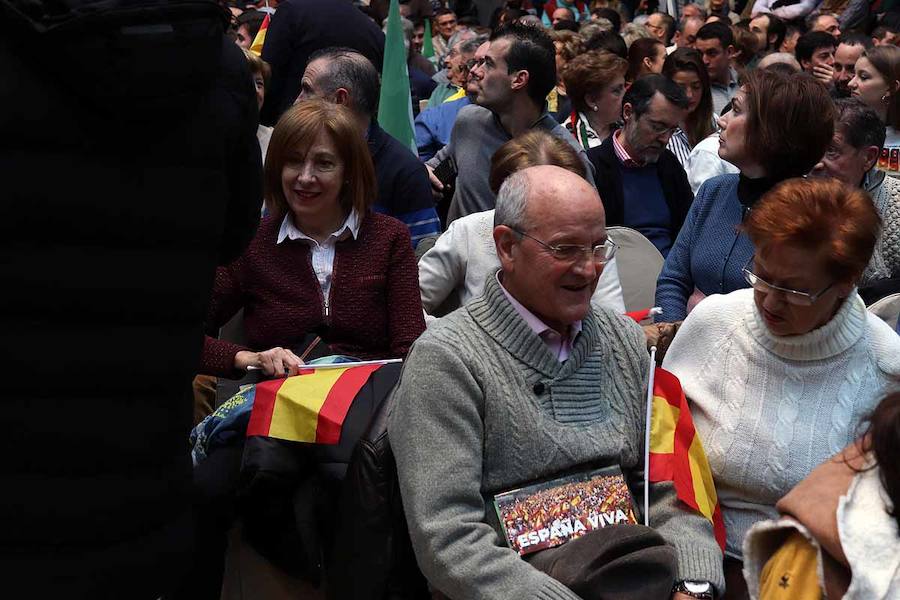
660, 335
824, 73
437, 188
276, 362
680, 596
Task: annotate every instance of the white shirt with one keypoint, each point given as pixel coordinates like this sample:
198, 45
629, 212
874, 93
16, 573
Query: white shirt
321, 255
704, 162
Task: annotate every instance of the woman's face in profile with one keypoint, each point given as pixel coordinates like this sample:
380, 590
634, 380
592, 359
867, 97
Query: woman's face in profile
802, 270
312, 182
733, 137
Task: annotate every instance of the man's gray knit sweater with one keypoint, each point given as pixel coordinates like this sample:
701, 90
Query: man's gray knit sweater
477, 134
483, 407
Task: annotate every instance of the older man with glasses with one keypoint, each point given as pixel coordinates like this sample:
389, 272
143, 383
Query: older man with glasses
528, 383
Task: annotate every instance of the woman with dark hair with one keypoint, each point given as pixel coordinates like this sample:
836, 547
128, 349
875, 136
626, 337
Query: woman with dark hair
595, 82
780, 376
645, 56
779, 128
301, 273
842, 521
877, 83
685, 67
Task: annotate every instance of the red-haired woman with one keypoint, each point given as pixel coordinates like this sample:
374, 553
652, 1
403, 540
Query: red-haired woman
781, 375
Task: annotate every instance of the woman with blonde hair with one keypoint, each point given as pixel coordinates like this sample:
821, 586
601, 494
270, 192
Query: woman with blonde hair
595, 82
454, 270
301, 273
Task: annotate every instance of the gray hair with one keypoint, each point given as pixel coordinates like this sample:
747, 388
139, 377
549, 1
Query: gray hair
470, 46
352, 71
633, 31
512, 200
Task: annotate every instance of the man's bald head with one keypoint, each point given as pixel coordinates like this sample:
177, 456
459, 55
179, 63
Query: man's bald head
547, 222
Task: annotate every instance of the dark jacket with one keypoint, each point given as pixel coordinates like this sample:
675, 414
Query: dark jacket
130, 167
676, 189
404, 191
301, 27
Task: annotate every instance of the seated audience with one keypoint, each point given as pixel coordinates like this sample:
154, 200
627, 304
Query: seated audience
841, 521
528, 383
645, 57
458, 264
685, 67
848, 52
456, 60
852, 157
778, 128
641, 183
781, 376
596, 84
346, 77
715, 42
300, 275
877, 83
815, 53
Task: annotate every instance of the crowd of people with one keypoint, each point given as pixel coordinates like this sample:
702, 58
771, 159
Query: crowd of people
752, 149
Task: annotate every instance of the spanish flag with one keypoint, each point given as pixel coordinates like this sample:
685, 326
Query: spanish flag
310, 406
676, 452
260, 39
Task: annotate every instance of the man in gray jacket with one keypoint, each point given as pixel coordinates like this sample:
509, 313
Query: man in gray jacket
512, 84
527, 383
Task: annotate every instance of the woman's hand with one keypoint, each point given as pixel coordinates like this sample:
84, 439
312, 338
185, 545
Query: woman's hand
276, 362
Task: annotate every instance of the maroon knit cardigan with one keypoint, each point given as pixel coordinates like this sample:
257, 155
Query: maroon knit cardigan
375, 310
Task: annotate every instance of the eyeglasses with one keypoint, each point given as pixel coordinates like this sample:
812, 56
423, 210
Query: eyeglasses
790, 296
572, 253
474, 62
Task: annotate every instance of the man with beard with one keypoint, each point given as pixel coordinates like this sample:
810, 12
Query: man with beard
642, 184
848, 52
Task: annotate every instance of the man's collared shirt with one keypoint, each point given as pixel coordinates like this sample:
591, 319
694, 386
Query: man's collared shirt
722, 94
560, 347
322, 255
622, 154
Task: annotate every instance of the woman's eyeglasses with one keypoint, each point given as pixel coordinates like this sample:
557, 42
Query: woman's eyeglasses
795, 297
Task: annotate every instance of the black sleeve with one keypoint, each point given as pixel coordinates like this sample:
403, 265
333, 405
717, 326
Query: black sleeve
278, 51
243, 160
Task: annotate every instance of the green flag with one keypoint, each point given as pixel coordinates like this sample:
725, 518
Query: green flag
395, 104
428, 44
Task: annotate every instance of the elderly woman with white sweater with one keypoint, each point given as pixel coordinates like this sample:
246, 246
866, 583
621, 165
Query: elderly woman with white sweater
454, 270
781, 375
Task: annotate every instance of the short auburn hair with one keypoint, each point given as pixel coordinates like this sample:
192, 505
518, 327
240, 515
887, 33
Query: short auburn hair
532, 148
591, 72
297, 130
790, 122
838, 222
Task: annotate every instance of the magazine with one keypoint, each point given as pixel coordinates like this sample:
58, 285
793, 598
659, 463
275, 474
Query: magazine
550, 513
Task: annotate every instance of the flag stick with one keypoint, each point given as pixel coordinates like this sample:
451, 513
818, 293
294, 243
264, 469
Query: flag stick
647, 437
361, 363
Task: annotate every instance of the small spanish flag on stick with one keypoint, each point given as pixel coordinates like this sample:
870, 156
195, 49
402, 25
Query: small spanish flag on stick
675, 452
310, 406
260, 39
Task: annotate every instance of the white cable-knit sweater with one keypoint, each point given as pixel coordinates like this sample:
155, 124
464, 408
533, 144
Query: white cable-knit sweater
770, 408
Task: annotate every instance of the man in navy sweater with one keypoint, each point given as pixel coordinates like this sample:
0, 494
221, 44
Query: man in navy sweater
641, 183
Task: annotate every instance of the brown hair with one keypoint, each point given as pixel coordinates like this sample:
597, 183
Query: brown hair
572, 43
883, 440
591, 72
790, 122
532, 148
296, 131
639, 50
259, 66
698, 124
886, 60
838, 222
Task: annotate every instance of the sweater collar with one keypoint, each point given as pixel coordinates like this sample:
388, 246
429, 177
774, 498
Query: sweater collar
749, 191
500, 320
836, 336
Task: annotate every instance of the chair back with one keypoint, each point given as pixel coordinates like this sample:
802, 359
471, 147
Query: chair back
639, 264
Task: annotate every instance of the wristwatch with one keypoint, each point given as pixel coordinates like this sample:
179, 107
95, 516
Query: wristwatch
695, 589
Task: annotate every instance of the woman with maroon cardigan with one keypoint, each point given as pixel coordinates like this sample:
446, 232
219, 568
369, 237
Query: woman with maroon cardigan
321, 262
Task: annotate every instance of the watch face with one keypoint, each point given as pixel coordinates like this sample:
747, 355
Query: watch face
697, 587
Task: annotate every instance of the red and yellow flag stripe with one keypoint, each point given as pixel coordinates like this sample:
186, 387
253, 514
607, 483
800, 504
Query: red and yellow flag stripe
308, 407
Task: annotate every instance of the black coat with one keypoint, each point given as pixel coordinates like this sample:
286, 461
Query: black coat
675, 186
301, 27
130, 168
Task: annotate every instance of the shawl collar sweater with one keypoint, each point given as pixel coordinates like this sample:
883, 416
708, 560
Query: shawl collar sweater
373, 308
770, 408
483, 406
